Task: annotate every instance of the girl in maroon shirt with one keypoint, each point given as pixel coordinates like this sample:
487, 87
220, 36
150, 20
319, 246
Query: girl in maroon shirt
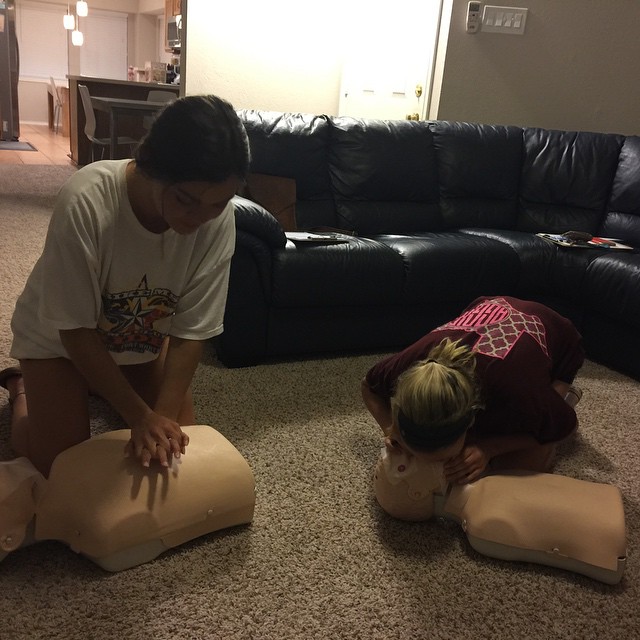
492, 389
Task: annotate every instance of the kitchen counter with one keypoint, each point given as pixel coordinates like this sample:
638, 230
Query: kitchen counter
109, 88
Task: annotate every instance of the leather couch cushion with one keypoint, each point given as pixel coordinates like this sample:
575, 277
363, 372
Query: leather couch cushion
478, 173
294, 145
546, 270
566, 179
612, 287
451, 266
383, 175
358, 272
534, 254
612, 311
291, 145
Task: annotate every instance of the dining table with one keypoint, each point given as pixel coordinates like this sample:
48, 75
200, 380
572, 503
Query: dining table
117, 107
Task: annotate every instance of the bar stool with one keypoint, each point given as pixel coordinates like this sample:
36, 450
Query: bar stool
57, 104
90, 126
157, 95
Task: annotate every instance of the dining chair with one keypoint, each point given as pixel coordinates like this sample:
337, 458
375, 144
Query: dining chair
57, 104
157, 95
90, 126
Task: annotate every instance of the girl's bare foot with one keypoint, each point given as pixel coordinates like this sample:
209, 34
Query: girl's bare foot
11, 380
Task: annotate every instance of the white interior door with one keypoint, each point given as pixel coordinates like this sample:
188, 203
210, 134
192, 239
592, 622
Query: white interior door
389, 60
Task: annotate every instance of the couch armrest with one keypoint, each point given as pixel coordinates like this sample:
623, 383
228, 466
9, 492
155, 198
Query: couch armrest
256, 220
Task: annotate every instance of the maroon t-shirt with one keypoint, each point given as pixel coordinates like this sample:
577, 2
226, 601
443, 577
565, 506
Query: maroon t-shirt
521, 347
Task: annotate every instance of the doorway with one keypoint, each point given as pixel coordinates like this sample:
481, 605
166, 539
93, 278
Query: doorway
388, 67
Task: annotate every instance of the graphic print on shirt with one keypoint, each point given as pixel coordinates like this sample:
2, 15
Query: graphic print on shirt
129, 318
499, 327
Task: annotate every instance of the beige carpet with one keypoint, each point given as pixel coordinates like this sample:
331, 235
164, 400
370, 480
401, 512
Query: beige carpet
320, 560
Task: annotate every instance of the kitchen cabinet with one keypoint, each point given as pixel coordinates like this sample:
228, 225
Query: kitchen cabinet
172, 8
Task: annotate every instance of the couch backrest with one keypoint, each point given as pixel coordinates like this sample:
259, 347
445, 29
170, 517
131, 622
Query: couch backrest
383, 176
397, 176
294, 145
478, 173
566, 179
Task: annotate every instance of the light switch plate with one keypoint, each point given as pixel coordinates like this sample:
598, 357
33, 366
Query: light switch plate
496, 19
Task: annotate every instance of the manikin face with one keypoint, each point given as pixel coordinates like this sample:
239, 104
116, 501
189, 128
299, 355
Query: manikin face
185, 206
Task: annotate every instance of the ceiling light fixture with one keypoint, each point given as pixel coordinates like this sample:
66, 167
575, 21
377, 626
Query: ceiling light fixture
77, 39
68, 20
82, 8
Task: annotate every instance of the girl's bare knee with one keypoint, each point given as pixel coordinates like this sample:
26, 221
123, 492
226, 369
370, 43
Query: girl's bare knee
57, 412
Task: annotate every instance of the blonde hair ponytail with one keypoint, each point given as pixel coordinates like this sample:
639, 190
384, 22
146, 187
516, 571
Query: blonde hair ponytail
440, 390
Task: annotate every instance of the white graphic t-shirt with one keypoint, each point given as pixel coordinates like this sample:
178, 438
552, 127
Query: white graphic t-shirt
100, 268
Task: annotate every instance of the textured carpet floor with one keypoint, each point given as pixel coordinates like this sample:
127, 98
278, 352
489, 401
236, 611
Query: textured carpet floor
320, 560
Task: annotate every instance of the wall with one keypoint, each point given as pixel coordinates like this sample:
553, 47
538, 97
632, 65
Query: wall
575, 67
277, 54
143, 45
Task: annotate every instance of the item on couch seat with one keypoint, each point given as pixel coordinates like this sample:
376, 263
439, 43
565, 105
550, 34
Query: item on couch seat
582, 236
531, 517
316, 238
344, 232
276, 194
582, 240
119, 514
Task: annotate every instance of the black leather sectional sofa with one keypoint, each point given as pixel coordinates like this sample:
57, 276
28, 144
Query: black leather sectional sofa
444, 212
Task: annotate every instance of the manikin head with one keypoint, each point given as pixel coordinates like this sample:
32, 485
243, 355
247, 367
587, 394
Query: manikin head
433, 406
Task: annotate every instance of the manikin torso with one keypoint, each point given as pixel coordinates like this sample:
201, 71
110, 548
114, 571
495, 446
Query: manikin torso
536, 517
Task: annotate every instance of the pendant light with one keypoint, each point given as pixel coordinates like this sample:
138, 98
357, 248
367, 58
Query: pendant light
77, 39
82, 8
68, 20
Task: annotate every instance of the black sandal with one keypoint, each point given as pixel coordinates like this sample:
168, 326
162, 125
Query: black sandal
9, 372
